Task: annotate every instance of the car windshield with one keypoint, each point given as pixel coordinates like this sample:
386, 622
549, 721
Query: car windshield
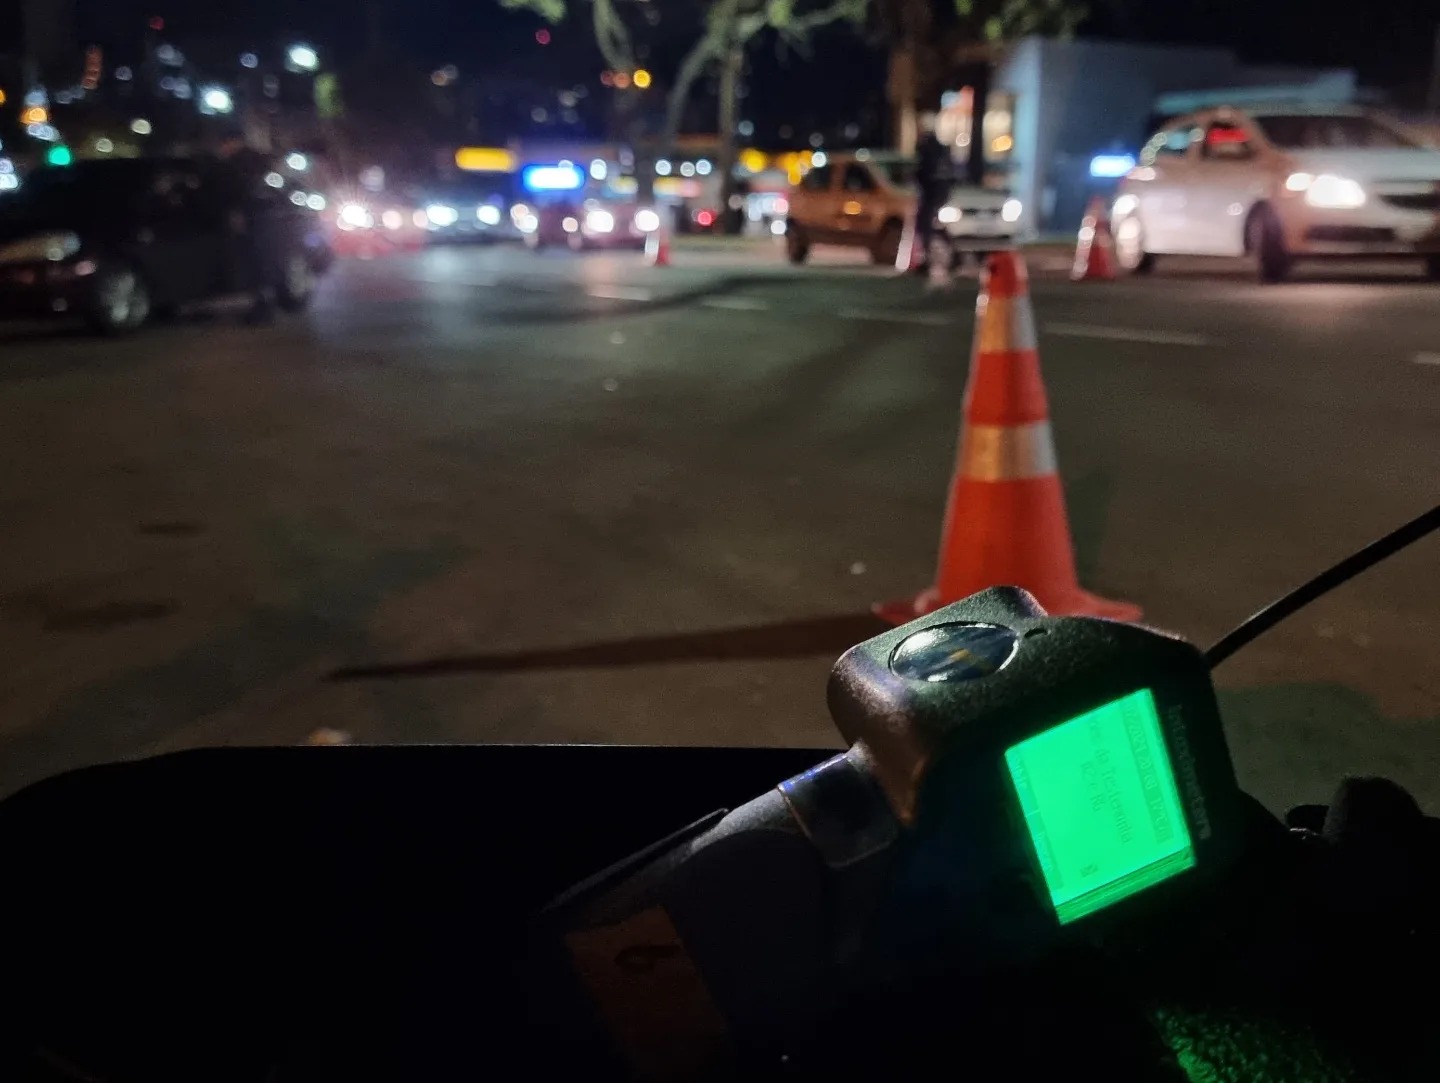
465, 375
1316, 131
898, 171
86, 189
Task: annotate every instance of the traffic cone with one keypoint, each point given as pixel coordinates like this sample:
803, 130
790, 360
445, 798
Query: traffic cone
1005, 522
657, 243
908, 256
1094, 247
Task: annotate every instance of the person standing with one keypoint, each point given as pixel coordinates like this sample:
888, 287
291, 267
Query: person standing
247, 220
934, 177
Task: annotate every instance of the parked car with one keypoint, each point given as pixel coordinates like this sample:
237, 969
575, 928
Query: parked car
580, 224
1279, 183
116, 241
863, 200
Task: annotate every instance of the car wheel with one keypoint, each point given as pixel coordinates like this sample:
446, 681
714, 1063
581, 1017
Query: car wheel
1432, 268
887, 247
1130, 251
797, 245
119, 300
1265, 241
297, 283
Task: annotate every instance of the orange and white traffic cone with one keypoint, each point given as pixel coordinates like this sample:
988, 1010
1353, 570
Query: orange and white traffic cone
657, 242
1005, 523
1094, 246
908, 256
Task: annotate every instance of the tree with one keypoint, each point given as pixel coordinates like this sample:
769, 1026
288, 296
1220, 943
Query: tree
928, 42
726, 29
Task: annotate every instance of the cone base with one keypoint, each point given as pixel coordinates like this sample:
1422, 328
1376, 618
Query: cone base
1067, 603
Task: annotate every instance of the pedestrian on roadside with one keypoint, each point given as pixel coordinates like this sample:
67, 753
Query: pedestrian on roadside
245, 199
934, 177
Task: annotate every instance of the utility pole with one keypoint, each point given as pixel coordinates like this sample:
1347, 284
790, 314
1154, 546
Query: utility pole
732, 66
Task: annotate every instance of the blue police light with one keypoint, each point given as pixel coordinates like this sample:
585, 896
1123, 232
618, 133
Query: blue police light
552, 178
1111, 165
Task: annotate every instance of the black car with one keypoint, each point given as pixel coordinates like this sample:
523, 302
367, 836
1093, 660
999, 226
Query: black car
117, 241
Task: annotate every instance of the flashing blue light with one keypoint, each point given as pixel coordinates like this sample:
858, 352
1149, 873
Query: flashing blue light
552, 178
1111, 165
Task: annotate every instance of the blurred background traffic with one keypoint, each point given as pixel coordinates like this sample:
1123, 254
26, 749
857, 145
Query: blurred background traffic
582, 362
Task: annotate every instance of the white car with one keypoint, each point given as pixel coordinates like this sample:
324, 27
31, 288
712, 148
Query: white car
1279, 183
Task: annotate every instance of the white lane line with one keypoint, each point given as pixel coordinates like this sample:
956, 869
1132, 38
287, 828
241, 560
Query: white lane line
922, 319
620, 293
737, 304
1426, 358
451, 280
1125, 334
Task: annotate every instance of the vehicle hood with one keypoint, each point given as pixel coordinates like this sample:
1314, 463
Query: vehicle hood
973, 197
1371, 165
19, 221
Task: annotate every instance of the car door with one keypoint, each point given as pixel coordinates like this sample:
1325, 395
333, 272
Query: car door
1227, 178
863, 203
814, 211
1160, 185
181, 240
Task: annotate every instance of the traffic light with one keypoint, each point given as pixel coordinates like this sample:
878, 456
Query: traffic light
59, 154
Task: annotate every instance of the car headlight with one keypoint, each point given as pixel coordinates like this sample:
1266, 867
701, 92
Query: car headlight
392, 219
488, 213
949, 214
1010, 210
524, 218
646, 220
599, 221
43, 246
1334, 193
442, 214
354, 216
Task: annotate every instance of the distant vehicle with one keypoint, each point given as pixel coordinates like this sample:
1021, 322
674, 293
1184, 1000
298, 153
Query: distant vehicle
120, 240
468, 210
863, 199
1280, 183
584, 223
370, 224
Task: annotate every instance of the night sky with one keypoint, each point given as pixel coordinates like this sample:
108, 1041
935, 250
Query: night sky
1390, 45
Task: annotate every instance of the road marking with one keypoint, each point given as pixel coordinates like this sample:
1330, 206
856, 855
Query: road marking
1426, 358
620, 293
737, 304
1126, 334
483, 282
923, 319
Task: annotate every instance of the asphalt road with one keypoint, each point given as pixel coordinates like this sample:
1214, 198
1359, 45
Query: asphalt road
493, 457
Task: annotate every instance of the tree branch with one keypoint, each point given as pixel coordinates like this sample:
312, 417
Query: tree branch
692, 67
800, 25
611, 35
550, 10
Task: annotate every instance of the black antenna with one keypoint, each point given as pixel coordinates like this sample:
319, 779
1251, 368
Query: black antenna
1322, 584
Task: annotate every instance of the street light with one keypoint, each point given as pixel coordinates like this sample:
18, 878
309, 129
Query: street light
216, 99
303, 57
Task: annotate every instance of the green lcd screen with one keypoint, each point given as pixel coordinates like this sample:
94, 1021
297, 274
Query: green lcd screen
1101, 805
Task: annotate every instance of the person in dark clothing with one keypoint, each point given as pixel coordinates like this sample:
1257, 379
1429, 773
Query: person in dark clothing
244, 193
934, 176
